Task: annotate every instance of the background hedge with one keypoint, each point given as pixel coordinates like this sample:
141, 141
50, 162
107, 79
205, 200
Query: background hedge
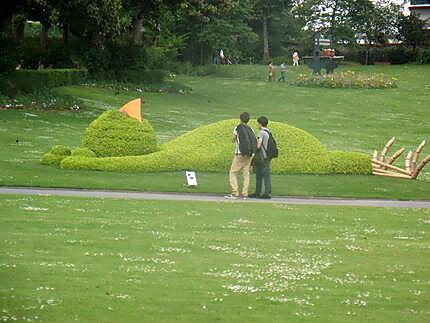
343, 162
116, 134
25, 81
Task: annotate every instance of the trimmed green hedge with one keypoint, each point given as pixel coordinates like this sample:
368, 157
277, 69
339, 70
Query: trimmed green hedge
56, 155
51, 159
209, 148
116, 134
25, 81
83, 152
61, 150
343, 162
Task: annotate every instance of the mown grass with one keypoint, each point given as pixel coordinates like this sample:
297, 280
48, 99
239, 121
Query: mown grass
104, 260
343, 119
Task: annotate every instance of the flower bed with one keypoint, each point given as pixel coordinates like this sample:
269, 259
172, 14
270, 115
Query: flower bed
347, 79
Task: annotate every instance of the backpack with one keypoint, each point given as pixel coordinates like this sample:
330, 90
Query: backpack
247, 140
272, 147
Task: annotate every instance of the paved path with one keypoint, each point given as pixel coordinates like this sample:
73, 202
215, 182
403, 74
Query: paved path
210, 198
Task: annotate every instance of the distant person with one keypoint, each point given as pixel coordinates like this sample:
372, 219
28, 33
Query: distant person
245, 146
40, 66
221, 56
20, 65
296, 59
271, 70
266, 147
283, 68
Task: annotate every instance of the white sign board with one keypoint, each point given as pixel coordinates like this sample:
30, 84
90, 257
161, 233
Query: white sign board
191, 178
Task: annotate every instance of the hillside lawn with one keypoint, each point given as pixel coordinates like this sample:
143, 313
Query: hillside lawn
106, 260
342, 119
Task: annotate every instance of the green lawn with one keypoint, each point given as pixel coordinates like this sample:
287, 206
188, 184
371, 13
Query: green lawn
360, 120
104, 260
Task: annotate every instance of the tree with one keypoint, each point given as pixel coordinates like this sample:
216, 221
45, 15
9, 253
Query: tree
412, 30
264, 13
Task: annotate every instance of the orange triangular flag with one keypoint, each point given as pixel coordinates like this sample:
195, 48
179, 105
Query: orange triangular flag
132, 109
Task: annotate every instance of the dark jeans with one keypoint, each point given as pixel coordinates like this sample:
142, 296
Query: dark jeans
282, 77
263, 172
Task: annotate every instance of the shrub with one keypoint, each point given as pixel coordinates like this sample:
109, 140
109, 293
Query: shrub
52, 159
116, 134
346, 80
423, 56
83, 152
278, 60
56, 155
343, 162
25, 81
60, 150
144, 76
208, 148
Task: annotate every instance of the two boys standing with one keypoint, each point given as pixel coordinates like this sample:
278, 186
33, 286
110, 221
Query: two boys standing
251, 151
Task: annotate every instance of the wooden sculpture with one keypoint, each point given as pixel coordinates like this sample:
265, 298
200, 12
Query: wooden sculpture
383, 166
132, 109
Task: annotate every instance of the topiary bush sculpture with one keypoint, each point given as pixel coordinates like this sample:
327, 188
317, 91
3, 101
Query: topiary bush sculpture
209, 149
116, 134
83, 152
56, 155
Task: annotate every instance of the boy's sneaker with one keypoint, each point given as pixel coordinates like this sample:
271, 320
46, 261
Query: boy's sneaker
253, 196
231, 197
243, 197
265, 196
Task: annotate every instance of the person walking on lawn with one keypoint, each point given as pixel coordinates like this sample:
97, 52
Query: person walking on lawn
283, 72
245, 147
266, 150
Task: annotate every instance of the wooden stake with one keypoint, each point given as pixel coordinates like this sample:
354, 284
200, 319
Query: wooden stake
421, 166
392, 175
386, 147
375, 156
397, 169
396, 155
415, 156
408, 161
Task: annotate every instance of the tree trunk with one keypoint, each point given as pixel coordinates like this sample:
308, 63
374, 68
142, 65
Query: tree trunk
66, 35
266, 54
137, 31
366, 62
333, 21
18, 29
44, 36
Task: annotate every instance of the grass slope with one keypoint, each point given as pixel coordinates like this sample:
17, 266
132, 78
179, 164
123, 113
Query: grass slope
65, 259
343, 119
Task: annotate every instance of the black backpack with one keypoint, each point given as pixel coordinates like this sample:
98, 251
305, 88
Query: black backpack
247, 140
272, 147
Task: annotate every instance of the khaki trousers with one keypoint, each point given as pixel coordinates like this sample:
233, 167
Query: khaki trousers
240, 163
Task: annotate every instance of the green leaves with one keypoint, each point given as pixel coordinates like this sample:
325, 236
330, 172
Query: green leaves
209, 149
116, 134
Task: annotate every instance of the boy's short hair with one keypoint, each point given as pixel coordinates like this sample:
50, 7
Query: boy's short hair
244, 117
263, 121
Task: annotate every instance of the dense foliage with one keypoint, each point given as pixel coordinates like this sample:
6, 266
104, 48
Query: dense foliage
208, 149
26, 80
116, 134
343, 162
112, 37
56, 155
